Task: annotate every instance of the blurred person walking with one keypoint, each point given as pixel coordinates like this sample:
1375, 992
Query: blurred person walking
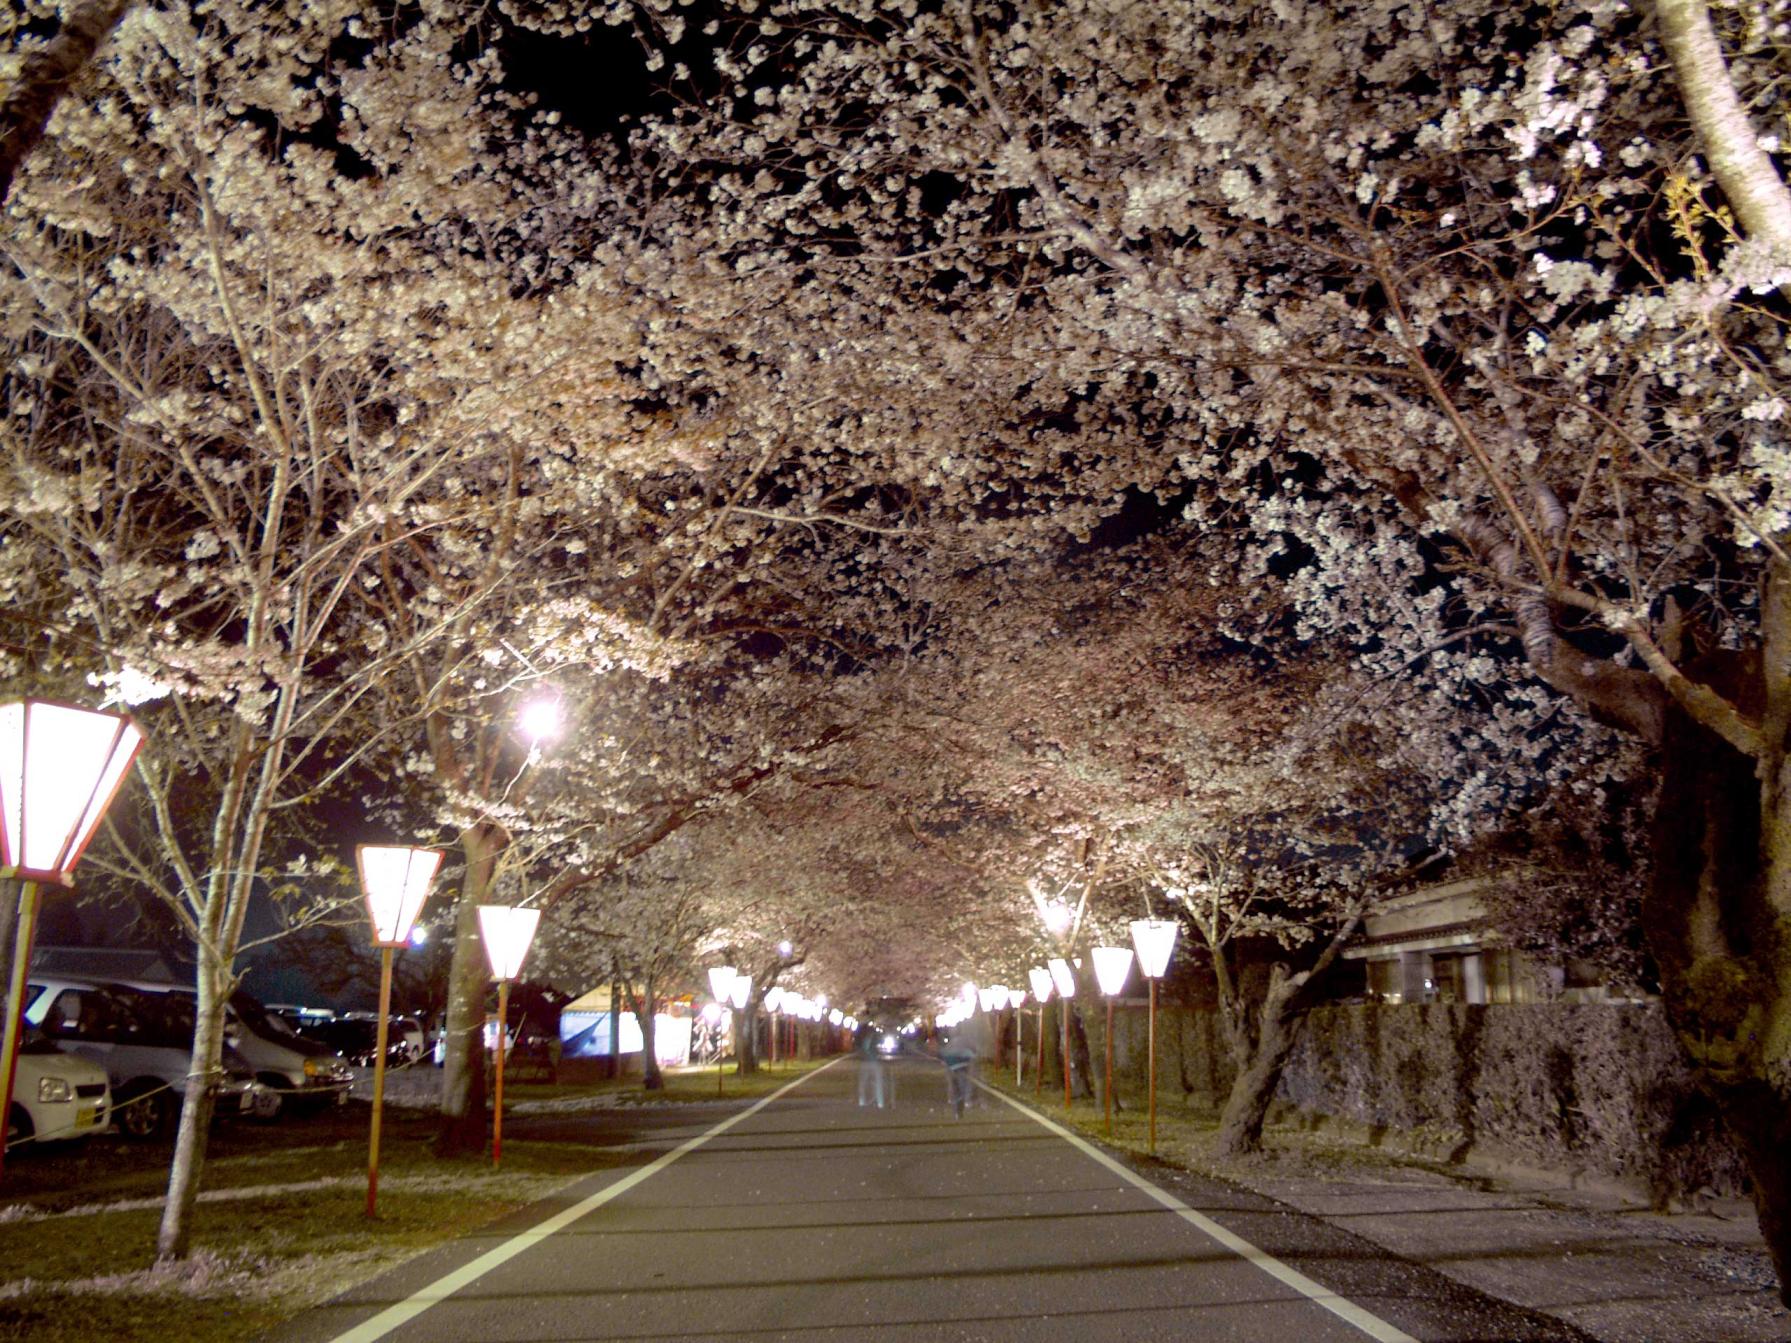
874, 1086
964, 1044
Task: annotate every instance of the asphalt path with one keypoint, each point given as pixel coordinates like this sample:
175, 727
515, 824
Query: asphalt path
809, 1217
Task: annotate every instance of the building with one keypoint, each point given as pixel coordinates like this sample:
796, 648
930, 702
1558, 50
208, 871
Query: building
1437, 945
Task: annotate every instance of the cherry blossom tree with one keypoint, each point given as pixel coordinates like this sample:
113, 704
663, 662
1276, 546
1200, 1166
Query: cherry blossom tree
1439, 316
232, 369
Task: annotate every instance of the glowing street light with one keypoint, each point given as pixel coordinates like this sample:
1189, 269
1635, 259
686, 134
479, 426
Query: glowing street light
395, 880
1113, 965
60, 768
1155, 940
539, 721
506, 931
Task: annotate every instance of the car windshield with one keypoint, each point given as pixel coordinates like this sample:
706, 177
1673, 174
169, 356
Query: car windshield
258, 1019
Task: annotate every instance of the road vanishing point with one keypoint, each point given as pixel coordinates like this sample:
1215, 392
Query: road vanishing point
806, 1216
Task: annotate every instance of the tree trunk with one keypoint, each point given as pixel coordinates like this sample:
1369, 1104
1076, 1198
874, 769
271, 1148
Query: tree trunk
174, 1236
1253, 1089
1720, 939
1081, 1067
462, 1129
746, 1040
651, 1078
45, 76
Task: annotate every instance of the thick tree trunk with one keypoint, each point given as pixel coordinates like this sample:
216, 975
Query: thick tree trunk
1253, 1089
1718, 928
462, 1129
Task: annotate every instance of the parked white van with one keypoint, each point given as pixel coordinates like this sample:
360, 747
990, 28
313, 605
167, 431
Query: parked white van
143, 1038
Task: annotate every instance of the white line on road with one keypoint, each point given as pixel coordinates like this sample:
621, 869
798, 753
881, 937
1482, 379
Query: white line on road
378, 1326
1346, 1310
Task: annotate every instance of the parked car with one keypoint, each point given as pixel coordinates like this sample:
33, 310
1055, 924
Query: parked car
415, 1038
357, 1040
55, 1096
298, 1073
406, 1040
143, 1038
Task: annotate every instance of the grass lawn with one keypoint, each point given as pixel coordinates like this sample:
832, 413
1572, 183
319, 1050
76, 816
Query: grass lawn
281, 1225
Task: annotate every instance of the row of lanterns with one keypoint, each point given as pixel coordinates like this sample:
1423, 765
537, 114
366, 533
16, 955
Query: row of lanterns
1153, 941
731, 988
395, 880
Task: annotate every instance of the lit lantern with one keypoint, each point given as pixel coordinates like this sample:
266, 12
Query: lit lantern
60, 768
506, 931
739, 991
395, 881
1041, 984
1113, 966
1155, 940
1062, 977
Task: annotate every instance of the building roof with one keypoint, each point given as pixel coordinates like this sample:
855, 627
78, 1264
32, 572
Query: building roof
104, 963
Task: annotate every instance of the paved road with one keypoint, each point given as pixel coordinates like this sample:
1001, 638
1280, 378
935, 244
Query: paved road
810, 1218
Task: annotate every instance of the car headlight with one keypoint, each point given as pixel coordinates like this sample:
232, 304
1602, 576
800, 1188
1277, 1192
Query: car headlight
328, 1070
54, 1089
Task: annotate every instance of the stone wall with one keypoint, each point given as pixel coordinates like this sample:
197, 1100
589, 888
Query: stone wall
1591, 1089
1594, 1088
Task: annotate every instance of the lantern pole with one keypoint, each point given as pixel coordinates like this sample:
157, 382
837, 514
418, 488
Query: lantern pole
1019, 1046
1065, 1014
15, 991
1154, 940
395, 881
497, 1118
1153, 1067
1112, 966
1108, 1089
379, 1078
